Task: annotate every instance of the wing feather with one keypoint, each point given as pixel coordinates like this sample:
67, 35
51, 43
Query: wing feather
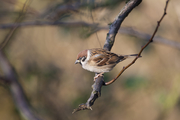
105, 59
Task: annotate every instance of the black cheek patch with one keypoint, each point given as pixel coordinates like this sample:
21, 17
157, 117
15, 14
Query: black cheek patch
83, 59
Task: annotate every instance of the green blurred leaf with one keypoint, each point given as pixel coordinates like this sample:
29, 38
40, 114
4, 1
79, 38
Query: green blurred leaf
134, 82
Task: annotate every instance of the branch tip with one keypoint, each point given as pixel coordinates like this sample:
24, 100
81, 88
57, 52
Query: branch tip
82, 106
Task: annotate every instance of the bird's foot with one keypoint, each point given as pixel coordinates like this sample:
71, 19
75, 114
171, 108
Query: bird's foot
98, 75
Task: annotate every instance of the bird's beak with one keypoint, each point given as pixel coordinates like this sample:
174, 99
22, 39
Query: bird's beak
77, 61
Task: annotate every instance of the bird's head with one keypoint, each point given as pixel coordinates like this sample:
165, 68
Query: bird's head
81, 57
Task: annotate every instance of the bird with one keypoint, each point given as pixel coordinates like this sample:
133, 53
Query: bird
99, 60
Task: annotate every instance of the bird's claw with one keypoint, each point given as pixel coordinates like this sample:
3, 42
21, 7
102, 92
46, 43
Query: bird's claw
98, 75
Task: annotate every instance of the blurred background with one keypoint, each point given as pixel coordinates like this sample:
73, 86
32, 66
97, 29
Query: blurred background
44, 56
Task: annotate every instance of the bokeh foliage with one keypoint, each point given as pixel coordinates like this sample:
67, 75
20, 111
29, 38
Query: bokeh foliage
44, 56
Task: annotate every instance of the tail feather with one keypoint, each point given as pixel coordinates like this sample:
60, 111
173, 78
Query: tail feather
131, 56
123, 57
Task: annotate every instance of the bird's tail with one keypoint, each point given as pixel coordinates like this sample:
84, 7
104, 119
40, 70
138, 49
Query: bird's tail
123, 57
131, 56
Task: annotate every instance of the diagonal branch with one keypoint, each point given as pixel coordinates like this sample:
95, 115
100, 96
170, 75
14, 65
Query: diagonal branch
5, 80
150, 40
117, 23
108, 45
146, 37
16, 89
11, 32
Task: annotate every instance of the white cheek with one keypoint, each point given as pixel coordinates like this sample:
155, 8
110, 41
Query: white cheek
88, 55
87, 59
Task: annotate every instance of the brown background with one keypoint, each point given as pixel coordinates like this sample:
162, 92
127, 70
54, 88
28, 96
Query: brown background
44, 57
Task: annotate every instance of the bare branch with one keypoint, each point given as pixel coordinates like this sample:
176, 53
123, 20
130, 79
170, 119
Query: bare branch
142, 35
44, 23
117, 23
150, 40
57, 10
10, 76
123, 30
11, 32
54, 15
5, 80
108, 45
16, 89
145, 36
94, 95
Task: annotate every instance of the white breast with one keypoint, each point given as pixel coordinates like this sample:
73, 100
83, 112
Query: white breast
90, 66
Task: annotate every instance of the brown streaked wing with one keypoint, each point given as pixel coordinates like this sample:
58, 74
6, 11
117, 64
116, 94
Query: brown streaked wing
113, 58
103, 57
100, 59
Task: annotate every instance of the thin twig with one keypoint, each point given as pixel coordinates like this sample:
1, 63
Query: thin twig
96, 31
11, 77
150, 40
11, 32
45, 23
123, 30
146, 37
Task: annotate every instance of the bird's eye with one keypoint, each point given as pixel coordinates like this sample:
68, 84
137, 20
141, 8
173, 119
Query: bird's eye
83, 59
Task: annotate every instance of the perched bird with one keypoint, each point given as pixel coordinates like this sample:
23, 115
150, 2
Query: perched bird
99, 60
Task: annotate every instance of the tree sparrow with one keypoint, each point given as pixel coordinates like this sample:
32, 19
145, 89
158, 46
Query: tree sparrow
99, 60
